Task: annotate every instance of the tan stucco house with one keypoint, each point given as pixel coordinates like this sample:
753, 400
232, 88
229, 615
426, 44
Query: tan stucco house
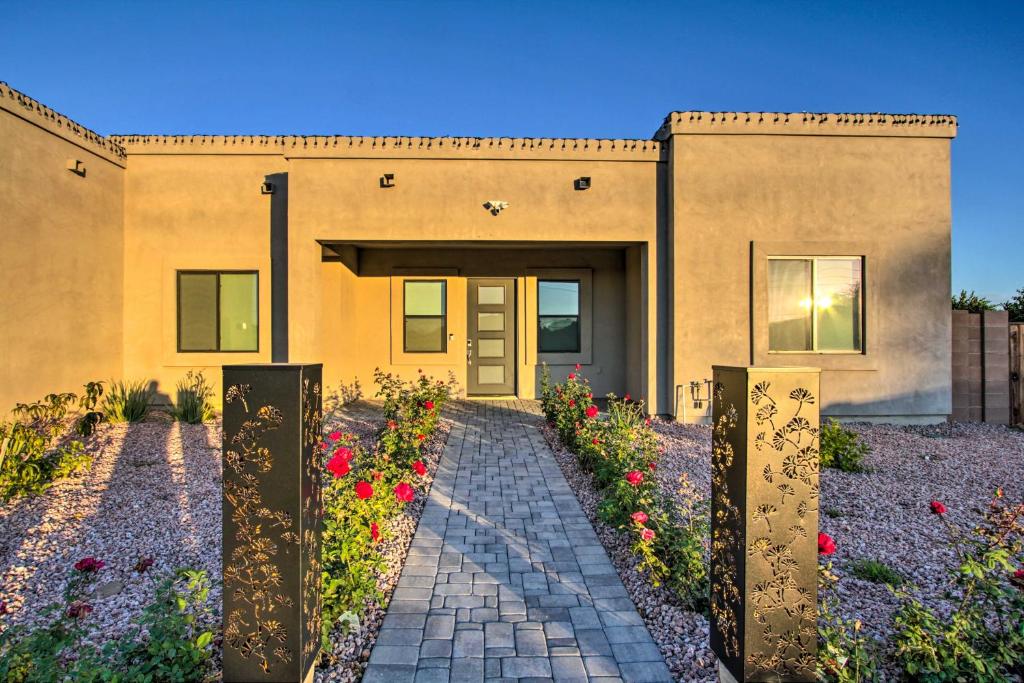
726, 238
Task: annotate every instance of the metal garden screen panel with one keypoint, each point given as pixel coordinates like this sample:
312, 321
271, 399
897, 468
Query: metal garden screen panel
764, 522
272, 510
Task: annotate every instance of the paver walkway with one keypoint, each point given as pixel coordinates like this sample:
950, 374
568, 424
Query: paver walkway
506, 578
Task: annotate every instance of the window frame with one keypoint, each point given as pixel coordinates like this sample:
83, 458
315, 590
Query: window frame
814, 305
217, 273
579, 315
444, 314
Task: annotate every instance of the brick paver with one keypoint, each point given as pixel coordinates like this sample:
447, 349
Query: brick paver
506, 578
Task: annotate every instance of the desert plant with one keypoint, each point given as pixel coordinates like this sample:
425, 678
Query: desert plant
842, 448
35, 449
128, 401
845, 653
89, 420
983, 638
971, 302
875, 571
194, 394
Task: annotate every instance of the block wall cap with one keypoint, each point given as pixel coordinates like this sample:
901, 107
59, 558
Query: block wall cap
34, 111
807, 123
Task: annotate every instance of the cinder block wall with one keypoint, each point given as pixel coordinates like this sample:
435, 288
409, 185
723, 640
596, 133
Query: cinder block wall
981, 367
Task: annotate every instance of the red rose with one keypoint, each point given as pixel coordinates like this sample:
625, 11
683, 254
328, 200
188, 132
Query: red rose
626, 398
572, 375
79, 609
404, 492
647, 421
590, 394
938, 508
1019, 574
392, 425
652, 466
421, 437
323, 445
89, 564
639, 517
429, 405
647, 534
592, 411
334, 436
595, 441
344, 453
420, 468
364, 490
578, 367
635, 477
826, 546
572, 403
338, 466
374, 531
377, 476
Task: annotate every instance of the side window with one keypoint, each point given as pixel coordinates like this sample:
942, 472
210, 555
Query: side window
424, 315
558, 316
218, 311
816, 304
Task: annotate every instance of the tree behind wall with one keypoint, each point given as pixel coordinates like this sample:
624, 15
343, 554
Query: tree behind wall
971, 302
1015, 307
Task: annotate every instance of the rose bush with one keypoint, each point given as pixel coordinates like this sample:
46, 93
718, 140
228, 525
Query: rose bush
669, 535
363, 490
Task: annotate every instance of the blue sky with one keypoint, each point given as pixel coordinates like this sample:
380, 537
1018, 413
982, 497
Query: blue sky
588, 69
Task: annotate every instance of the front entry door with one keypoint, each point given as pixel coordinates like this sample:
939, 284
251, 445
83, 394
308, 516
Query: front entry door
491, 342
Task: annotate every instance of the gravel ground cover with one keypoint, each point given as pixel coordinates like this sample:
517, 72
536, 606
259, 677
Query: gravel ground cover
154, 490
880, 515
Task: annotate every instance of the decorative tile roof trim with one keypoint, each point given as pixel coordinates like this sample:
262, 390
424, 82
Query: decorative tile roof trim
807, 123
33, 111
361, 146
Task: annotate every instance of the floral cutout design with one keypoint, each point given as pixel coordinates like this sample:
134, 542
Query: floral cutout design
726, 539
312, 512
250, 573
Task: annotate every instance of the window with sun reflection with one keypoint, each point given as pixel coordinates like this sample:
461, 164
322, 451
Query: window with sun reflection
815, 304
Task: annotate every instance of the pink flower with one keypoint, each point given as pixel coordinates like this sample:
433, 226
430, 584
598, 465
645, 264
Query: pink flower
647, 534
639, 517
420, 468
364, 490
826, 546
338, 466
572, 375
938, 508
374, 531
334, 436
635, 477
592, 411
404, 492
429, 405
89, 564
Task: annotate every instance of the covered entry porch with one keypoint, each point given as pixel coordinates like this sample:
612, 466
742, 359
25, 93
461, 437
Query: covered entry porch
491, 314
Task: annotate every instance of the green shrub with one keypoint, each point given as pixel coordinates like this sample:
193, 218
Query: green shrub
876, 571
845, 654
194, 394
971, 302
128, 401
89, 420
35, 448
670, 535
354, 525
984, 638
841, 448
166, 644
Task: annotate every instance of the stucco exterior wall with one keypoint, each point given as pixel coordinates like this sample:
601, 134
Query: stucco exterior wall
190, 212
61, 240
738, 198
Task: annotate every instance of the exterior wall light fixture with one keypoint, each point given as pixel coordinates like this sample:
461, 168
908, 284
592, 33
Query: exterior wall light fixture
495, 206
582, 183
267, 188
76, 167
387, 180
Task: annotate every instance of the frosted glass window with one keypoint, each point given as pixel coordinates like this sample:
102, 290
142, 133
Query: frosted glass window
424, 316
815, 304
490, 322
491, 348
487, 295
218, 311
490, 374
558, 320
